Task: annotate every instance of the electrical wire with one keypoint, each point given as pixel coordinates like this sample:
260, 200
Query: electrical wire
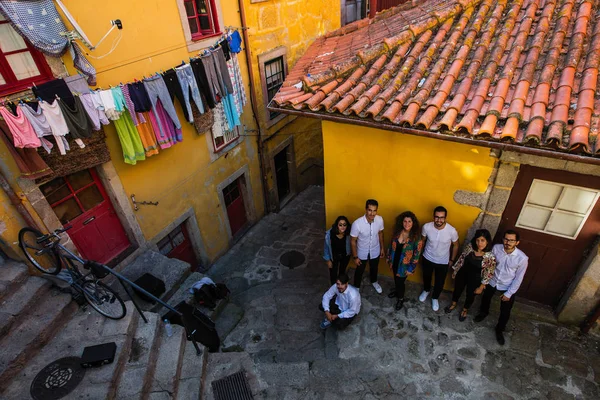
113, 47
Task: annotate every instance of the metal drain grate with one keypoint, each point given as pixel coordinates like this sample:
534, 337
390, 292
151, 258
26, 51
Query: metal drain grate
57, 379
232, 387
292, 259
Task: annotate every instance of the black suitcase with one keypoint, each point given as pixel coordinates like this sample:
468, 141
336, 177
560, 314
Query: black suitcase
96, 356
151, 284
198, 326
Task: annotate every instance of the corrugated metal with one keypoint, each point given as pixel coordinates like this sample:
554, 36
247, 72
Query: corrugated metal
232, 387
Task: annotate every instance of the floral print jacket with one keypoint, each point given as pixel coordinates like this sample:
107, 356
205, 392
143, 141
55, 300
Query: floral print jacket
488, 265
411, 251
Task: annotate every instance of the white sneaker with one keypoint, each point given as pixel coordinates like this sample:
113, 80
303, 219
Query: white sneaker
423, 296
377, 287
435, 305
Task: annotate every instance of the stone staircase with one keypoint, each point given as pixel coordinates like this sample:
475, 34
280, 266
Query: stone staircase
39, 325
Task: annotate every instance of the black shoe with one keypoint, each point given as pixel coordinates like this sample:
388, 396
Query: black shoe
392, 294
462, 316
399, 304
479, 317
449, 309
500, 338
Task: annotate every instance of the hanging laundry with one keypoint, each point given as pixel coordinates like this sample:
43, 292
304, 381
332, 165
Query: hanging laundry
188, 84
157, 89
175, 135
226, 88
119, 99
28, 160
50, 90
235, 42
140, 97
203, 122
40, 125
57, 122
212, 79
239, 92
137, 118
175, 90
78, 121
108, 103
77, 84
96, 115
224, 45
164, 141
221, 124
133, 151
24, 136
97, 100
147, 136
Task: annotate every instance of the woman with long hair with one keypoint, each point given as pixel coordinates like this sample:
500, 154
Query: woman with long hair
404, 252
337, 248
473, 270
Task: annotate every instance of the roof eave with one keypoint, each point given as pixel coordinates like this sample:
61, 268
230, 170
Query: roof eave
542, 152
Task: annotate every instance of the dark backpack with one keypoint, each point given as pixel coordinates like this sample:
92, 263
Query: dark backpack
207, 296
198, 326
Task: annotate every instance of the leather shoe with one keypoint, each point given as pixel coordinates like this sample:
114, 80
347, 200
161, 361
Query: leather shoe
500, 338
391, 295
479, 317
399, 304
462, 316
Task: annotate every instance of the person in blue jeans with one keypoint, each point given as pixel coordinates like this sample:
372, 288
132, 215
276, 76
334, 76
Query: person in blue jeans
341, 303
336, 252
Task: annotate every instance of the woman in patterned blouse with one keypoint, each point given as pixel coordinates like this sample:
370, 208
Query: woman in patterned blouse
473, 269
404, 252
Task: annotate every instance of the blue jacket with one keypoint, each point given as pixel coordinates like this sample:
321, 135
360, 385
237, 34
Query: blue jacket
328, 252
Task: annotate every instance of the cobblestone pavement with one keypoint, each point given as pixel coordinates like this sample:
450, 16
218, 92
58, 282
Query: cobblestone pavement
384, 354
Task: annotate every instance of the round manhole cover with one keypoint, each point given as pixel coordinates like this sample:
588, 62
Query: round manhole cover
292, 259
57, 379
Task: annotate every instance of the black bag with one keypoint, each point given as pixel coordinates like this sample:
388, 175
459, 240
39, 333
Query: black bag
222, 291
151, 284
198, 326
207, 296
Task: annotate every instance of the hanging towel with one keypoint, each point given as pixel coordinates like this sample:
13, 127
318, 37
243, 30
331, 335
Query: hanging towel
24, 135
28, 160
40, 23
133, 151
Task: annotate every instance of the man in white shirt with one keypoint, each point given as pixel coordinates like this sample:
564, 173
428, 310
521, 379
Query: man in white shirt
439, 236
366, 239
511, 265
341, 303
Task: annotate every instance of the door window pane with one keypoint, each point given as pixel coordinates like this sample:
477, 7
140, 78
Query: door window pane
564, 224
80, 179
67, 210
577, 200
55, 190
544, 194
534, 217
23, 65
10, 40
90, 197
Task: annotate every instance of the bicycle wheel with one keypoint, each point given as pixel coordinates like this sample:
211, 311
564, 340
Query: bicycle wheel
104, 300
43, 258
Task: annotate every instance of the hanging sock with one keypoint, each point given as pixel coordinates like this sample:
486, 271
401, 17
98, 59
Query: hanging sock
133, 151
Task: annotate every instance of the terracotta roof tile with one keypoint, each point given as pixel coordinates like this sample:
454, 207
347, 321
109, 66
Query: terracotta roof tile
524, 71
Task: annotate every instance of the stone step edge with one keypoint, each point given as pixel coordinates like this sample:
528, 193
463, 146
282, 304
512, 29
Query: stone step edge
16, 320
15, 284
159, 308
180, 357
124, 355
151, 367
41, 340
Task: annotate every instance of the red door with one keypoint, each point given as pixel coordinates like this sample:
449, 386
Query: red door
177, 245
79, 200
236, 211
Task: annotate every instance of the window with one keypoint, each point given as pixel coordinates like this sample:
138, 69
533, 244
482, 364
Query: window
274, 77
557, 209
222, 137
171, 241
20, 64
202, 18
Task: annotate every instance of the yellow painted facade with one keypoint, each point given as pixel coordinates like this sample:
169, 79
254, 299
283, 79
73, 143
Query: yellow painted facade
402, 172
186, 175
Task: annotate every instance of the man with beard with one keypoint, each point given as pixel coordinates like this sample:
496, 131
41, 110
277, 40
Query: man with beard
341, 303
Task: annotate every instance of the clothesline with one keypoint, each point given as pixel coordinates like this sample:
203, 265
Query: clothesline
142, 111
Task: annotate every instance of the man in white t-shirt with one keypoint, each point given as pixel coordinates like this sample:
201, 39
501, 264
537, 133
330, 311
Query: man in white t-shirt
366, 238
439, 236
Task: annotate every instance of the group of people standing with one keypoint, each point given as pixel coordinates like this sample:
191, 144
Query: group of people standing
481, 268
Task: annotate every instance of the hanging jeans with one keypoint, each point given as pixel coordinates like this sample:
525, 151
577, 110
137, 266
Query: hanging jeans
156, 88
188, 84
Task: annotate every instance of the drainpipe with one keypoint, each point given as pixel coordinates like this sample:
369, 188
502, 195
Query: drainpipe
253, 102
16, 201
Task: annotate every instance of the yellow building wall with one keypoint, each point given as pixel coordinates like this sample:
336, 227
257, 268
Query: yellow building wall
402, 172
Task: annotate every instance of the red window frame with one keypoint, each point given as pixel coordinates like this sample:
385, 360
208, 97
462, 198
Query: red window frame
14, 85
228, 137
213, 19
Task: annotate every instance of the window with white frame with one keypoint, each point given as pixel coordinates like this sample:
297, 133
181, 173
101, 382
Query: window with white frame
272, 67
557, 209
222, 136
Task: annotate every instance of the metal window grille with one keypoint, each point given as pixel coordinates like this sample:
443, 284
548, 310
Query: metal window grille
274, 77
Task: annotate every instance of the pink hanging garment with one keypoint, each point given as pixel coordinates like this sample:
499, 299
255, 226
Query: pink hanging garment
24, 135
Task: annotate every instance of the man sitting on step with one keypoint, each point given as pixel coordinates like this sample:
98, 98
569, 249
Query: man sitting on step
341, 303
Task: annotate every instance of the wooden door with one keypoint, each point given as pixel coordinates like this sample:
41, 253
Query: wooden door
282, 174
177, 244
79, 200
557, 215
236, 210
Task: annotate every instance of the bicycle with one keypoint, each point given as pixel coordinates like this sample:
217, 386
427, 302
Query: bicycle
47, 255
